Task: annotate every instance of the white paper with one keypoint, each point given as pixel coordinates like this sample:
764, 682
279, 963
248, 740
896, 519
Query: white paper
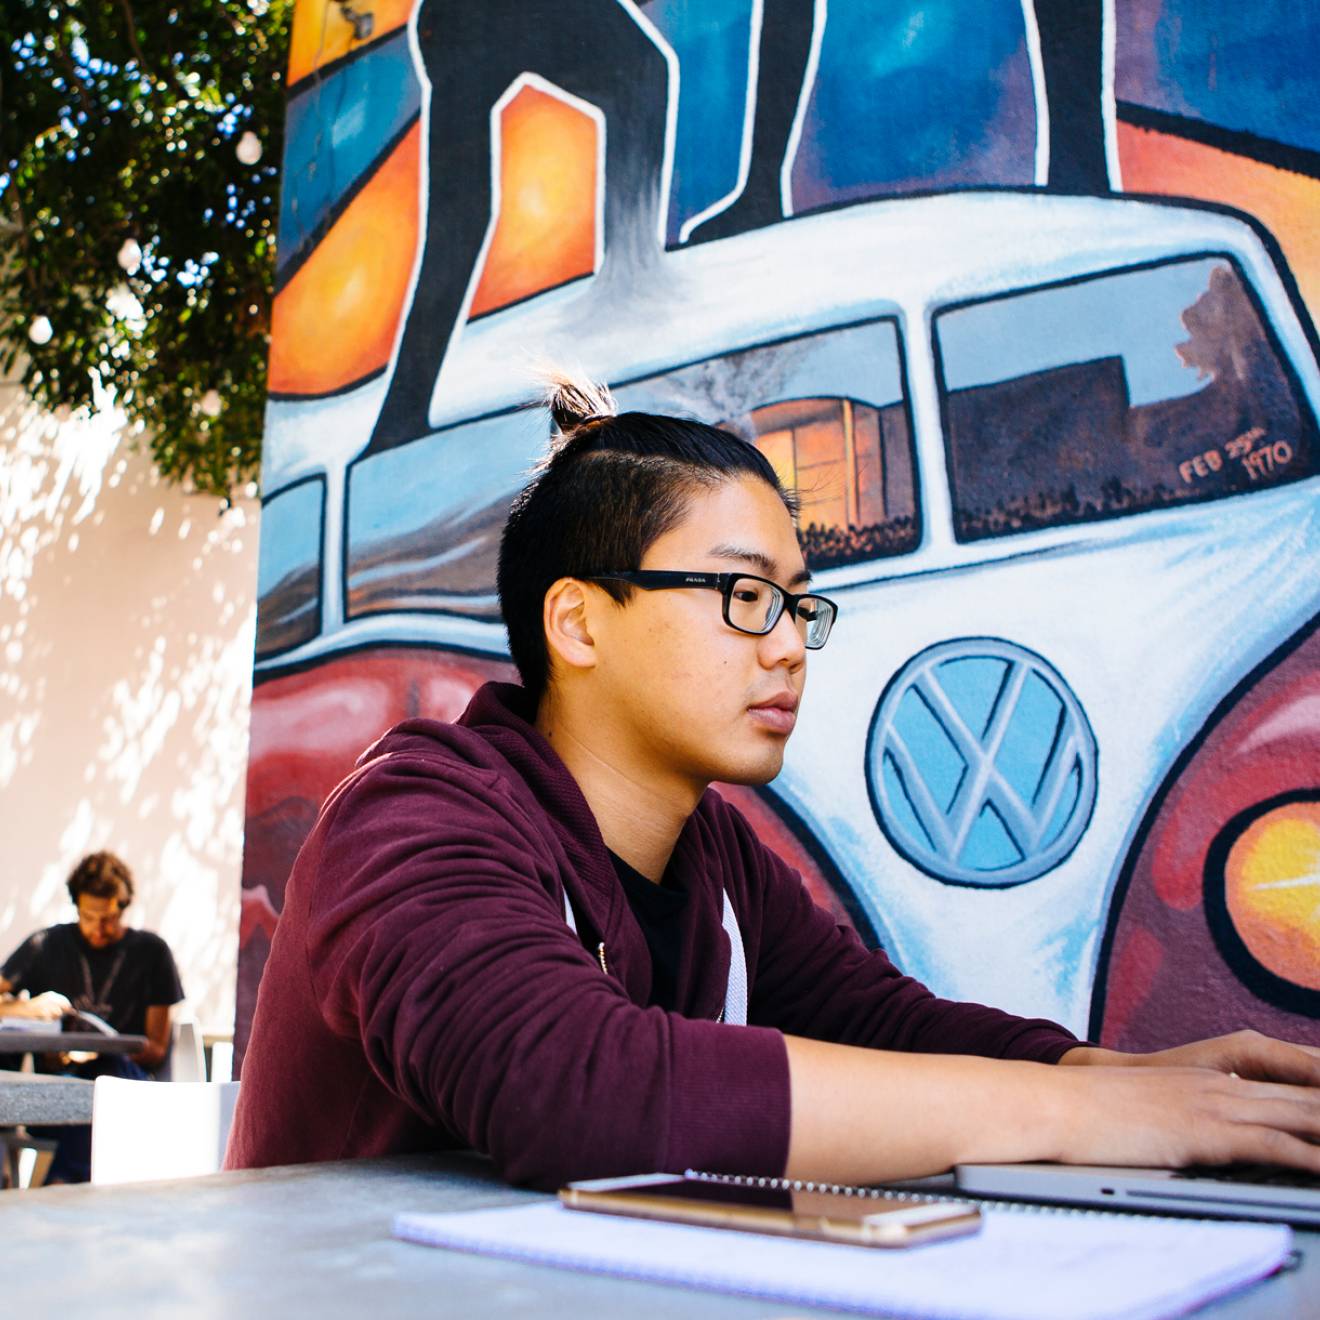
1021, 1266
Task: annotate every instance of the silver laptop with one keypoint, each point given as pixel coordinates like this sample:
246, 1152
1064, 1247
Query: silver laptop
1239, 1192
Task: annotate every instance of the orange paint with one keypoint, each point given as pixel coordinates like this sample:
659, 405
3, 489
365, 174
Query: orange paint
321, 34
1285, 202
546, 230
335, 321
1272, 887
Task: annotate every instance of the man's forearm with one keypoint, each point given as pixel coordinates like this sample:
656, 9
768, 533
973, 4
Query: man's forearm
150, 1056
871, 1115
1094, 1055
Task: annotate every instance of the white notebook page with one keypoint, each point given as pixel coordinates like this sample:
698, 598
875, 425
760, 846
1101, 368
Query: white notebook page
1021, 1266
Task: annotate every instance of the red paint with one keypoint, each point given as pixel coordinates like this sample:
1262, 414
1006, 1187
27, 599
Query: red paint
1267, 744
1135, 967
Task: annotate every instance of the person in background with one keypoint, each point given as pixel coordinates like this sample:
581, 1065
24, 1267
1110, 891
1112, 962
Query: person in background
97, 965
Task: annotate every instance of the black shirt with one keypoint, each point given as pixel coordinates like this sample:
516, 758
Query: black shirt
118, 983
659, 910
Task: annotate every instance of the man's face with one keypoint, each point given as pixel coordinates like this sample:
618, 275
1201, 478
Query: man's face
100, 920
692, 697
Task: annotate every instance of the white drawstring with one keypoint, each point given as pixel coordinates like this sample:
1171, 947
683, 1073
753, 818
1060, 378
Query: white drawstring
735, 993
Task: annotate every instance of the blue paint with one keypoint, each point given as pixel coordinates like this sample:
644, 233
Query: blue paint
991, 780
336, 132
973, 686
1029, 737
290, 535
1253, 67
1067, 805
711, 40
989, 846
1135, 316
918, 95
904, 820
941, 764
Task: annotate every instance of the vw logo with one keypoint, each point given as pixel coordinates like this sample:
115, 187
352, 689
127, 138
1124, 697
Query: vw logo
981, 764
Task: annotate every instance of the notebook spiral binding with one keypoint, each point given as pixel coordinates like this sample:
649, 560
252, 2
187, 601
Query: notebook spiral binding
905, 1194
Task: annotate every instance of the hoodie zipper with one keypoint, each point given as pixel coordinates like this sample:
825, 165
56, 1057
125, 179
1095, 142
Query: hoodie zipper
600, 954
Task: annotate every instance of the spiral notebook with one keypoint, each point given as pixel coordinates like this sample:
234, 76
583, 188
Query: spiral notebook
1027, 1263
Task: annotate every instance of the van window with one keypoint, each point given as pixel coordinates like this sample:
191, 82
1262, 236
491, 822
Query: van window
424, 520
289, 567
852, 467
830, 411
1114, 395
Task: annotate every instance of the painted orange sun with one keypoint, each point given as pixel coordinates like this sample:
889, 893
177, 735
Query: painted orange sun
1272, 888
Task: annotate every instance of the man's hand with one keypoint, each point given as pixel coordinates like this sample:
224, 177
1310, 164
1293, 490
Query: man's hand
45, 1007
1243, 1054
1170, 1117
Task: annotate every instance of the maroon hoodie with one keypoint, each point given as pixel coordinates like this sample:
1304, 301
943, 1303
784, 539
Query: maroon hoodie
423, 989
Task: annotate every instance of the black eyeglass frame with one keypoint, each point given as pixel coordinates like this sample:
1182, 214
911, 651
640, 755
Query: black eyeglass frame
666, 579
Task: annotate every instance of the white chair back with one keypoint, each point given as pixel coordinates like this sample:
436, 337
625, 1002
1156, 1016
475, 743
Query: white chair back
187, 1057
222, 1061
187, 1054
143, 1131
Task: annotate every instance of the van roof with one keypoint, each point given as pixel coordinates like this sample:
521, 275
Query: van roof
904, 256
828, 268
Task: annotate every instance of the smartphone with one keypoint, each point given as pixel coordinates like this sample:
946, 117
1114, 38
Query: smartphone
788, 1210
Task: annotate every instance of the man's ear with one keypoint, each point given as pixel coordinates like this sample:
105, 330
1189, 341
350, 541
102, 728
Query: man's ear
566, 618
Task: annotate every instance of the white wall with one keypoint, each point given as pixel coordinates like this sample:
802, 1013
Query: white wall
126, 631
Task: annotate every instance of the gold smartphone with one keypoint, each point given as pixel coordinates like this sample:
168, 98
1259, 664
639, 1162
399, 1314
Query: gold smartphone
788, 1210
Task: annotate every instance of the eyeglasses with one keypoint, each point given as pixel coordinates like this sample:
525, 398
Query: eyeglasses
751, 604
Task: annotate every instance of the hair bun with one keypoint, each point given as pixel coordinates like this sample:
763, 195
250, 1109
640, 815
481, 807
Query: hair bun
575, 400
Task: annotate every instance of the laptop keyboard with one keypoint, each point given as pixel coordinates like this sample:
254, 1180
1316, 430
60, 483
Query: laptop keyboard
1266, 1175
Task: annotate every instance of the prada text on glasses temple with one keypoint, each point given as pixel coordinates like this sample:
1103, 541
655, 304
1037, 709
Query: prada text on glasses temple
751, 604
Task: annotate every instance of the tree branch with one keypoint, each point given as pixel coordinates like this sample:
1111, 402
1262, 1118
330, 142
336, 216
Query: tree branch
130, 22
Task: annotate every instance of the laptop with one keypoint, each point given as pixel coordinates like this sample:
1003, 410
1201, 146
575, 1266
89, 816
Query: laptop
1234, 1192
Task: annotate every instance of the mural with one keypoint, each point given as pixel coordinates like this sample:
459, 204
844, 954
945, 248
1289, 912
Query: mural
1019, 295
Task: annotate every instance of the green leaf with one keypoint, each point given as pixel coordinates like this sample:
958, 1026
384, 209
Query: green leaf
133, 136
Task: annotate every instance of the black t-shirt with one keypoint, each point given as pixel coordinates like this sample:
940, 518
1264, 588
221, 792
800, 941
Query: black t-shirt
659, 911
118, 983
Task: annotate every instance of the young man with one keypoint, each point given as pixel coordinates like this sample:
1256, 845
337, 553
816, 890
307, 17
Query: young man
539, 933
98, 965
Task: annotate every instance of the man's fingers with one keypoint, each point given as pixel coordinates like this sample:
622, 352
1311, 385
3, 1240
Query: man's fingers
1268, 1145
1264, 1059
1295, 1113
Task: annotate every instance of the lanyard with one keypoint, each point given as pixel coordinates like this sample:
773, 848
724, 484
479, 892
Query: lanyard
97, 999
735, 992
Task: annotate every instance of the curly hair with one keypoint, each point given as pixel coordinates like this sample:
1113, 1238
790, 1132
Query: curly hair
102, 875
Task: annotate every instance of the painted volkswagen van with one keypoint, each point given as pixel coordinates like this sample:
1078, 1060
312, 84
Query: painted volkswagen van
1058, 460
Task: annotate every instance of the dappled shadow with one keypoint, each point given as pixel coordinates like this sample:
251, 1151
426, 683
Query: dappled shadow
126, 629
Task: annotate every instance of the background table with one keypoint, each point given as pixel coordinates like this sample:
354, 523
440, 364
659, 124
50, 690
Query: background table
315, 1240
52, 1042
42, 1099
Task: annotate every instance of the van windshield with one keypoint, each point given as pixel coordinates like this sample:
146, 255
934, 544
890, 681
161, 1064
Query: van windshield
829, 410
1113, 395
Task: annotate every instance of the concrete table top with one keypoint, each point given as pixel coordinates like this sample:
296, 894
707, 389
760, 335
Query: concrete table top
35, 1098
315, 1240
52, 1042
